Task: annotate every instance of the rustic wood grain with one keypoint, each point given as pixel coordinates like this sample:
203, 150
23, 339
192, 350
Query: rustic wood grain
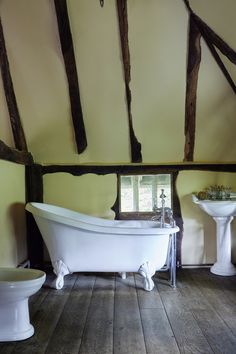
216, 40
79, 170
17, 129
135, 145
34, 193
188, 334
71, 72
158, 334
128, 333
9, 154
220, 293
195, 318
213, 40
220, 63
194, 59
159, 337
68, 333
98, 330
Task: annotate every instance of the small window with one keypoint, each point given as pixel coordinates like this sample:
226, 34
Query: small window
140, 194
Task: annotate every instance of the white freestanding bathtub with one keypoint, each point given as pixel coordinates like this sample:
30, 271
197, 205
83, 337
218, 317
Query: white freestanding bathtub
80, 243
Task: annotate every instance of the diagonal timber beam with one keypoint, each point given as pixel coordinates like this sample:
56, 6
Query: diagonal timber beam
213, 40
71, 72
17, 130
199, 28
9, 154
207, 32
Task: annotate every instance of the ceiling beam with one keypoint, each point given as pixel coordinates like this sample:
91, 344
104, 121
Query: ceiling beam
71, 72
17, 129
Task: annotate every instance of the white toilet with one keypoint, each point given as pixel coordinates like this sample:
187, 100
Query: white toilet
16, 285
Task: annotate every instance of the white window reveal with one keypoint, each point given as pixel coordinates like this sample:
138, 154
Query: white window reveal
141, 193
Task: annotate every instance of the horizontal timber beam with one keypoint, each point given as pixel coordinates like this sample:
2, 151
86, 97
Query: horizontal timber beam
79, 170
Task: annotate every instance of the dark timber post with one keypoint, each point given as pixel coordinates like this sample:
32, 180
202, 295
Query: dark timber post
194, 59
136, 155
34, 193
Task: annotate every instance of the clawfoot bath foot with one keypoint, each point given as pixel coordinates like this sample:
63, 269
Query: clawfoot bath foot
60, 269
147, 272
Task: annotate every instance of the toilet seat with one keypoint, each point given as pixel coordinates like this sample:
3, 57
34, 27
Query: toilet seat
16, 285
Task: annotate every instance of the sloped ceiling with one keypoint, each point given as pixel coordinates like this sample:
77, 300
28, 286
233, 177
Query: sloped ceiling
158, 38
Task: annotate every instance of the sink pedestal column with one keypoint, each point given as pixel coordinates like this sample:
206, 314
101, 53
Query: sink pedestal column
223, 265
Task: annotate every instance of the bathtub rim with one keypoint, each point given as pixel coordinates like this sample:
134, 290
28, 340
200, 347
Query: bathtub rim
35, 208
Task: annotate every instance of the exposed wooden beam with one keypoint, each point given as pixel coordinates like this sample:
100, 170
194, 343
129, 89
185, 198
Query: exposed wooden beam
178, 218
194, 59
136, 155
79, 170
71, 72
17, 130
207, 32
34, 193
213, 40
220, 64
14, 155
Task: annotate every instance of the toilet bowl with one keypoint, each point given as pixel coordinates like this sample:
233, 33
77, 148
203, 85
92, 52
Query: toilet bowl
16, 285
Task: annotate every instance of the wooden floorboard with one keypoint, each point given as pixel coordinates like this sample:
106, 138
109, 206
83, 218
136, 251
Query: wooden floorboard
128, 332
98, 331
104, 314
218, 319
67, 336
188, 334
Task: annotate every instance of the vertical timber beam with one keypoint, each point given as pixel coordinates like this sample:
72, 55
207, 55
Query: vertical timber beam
194, 59
136, 155
179, 220
71, 71
17, 130
34, 193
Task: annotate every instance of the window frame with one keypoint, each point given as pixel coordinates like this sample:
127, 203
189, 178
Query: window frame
141, 215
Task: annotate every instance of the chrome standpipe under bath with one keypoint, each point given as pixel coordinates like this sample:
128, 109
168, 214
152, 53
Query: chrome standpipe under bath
162, 214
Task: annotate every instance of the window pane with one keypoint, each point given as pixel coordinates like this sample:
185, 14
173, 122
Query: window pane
142, 192
126, 193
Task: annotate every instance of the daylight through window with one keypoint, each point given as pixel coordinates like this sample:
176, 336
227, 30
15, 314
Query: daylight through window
141, 193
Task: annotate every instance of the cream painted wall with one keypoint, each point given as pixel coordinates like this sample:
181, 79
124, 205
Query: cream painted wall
199, 241
95, 195
12, 216
89, 194
158, 49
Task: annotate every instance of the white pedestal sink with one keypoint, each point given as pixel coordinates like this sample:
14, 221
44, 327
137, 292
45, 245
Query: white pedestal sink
223, 212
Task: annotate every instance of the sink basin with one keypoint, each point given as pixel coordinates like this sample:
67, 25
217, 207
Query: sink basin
223, 212
217, 208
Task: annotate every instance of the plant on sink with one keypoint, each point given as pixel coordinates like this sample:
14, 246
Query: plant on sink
214, 192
